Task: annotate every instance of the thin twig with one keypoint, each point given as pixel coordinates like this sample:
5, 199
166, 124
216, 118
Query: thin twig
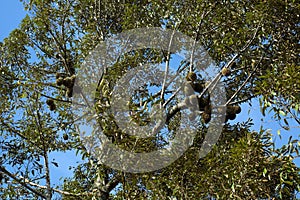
242, 100
2, 169
252, 39
196, 39
244, 83
167, 67
172, 96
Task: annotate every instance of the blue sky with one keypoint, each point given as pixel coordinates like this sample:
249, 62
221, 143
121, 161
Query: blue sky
11, 14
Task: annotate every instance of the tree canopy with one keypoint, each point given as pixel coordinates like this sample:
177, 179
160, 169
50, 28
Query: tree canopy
254, 46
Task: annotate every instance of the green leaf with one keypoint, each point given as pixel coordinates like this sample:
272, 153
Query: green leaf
265, 172
282, 113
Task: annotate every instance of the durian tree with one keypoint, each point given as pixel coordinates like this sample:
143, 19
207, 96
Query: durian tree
254, 47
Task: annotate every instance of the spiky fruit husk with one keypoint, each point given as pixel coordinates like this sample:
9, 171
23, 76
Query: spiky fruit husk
225, 71
230, 117
69, 92
230, 110
206, 117
191, 76
198, 87
49, 102
59, 81
237, 109
68, 82
65, 136
202, 103
52, 107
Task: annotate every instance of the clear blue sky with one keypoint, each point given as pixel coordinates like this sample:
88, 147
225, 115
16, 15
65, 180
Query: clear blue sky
11, 14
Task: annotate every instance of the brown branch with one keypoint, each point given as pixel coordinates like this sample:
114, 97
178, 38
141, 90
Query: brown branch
244, 83
49, 97
113, 183
45, 152
61, 48
42, 49
292, 114
21, 182
172, 97
26, 181
13, 130
57, 190
242, 100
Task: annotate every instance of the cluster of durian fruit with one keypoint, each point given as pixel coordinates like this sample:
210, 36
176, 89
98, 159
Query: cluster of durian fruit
193, 85
68, 83
51, 104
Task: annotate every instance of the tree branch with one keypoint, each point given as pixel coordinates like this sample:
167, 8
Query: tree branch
167, 67
21, 182
244, 83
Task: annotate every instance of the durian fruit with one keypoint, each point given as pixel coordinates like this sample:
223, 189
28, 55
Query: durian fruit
207, 109
65, 136
59, 81
232, 111
191, 76
69, 92
205, 117
52, 107
225, 71
202, 103
198, 87
237, 109
59, 75
68, 82
51, 104
230, 117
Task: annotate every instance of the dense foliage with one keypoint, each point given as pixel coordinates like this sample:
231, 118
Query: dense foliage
255, 45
